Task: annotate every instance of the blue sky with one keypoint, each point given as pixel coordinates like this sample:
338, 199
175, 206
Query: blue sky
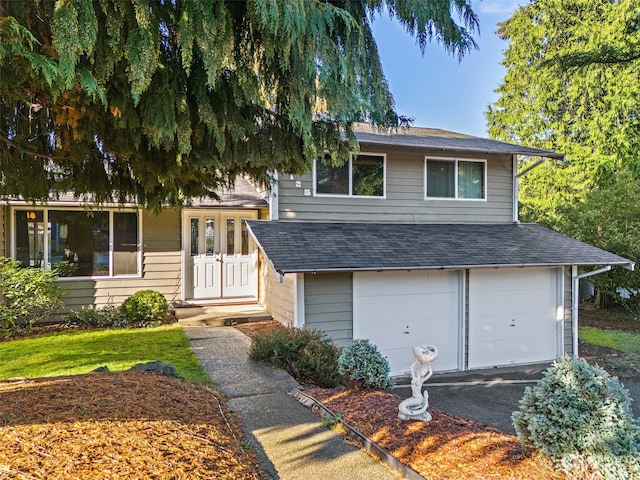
436, 89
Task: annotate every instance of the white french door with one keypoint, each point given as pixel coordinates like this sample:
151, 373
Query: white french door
220, 257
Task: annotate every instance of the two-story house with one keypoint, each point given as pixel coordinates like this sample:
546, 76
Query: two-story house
415, 240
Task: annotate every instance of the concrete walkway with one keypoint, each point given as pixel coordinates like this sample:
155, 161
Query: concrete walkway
290, 441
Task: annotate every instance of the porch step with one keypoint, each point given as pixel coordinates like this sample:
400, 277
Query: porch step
220, 315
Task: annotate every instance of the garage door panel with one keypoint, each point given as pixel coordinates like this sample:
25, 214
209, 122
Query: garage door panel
528, 350
512, 280
512, 316
397, 310
525, 326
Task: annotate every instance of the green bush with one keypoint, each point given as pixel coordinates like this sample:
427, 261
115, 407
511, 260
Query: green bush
363, 366
107, 316
28, 295
308, 355
580, 417
145, 305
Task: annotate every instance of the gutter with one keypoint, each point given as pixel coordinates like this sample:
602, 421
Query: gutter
438, 267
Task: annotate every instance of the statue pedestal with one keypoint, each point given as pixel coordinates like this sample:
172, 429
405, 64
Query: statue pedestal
423, 417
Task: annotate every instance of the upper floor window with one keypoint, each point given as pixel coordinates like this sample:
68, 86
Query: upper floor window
92, 243
363, 175
455, 179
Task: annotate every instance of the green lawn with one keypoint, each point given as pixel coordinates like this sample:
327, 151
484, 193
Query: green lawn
75, 352
621, 341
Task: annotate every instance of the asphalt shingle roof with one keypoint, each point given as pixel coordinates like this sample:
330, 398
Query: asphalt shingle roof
443, 140
316, 247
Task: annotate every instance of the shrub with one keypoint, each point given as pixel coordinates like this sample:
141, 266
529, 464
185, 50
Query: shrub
28, 295
580, 417
107, 316
308, 355
363, 366
145, 305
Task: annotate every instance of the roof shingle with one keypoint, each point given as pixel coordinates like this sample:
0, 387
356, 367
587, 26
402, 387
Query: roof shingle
315, 247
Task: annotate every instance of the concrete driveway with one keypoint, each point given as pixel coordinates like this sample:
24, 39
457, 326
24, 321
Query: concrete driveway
489, 396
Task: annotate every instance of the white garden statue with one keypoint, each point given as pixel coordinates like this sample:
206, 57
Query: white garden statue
415, 407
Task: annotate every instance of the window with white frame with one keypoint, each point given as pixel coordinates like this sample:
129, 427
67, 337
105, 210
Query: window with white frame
455, 179
93, 243
363, 175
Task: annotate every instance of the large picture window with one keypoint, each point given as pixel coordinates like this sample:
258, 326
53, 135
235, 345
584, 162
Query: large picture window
363, 175
93, 243
455, 179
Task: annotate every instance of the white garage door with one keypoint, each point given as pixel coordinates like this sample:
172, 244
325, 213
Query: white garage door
397, 310
513, 316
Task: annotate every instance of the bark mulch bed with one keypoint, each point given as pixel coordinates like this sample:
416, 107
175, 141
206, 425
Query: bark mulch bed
119, 425
446, 448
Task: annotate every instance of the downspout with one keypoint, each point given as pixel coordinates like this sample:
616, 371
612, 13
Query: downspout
273, 198
574, 298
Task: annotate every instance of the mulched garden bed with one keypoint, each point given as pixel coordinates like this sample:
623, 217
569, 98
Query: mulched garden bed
119, 425
446, 448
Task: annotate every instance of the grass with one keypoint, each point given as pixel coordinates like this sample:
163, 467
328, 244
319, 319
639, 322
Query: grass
618, 340
77, 352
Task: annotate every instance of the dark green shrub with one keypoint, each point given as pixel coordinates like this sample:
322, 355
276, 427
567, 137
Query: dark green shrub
363, 366
107, 316
27, 295
145, 305
308, 355
580, 417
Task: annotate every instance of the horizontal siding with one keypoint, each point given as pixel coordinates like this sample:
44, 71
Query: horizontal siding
568, 323
277, 298
3, 231
404, 200
161, 268
328, 305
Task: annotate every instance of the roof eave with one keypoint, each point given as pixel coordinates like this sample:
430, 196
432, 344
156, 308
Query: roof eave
531, 153
284, 271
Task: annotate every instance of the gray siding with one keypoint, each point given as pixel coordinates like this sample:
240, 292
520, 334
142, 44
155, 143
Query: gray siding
3, 234
277, 298
404, 200
568, 330
328, 305
161, 268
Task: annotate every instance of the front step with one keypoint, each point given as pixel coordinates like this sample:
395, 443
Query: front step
220, 315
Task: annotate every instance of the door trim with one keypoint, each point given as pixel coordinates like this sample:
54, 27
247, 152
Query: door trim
222, 214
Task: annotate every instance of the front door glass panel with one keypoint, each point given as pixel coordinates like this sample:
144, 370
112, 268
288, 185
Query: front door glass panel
231, 249
210, 236
194, 236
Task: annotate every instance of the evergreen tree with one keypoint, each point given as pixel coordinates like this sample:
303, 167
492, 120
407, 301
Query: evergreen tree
167, 99
572, 85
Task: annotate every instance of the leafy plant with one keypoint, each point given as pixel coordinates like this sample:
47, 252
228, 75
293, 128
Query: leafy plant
107, 316
28, 295
607, 217
363, 366
145, 305
580, 417
330, 421
308, 355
